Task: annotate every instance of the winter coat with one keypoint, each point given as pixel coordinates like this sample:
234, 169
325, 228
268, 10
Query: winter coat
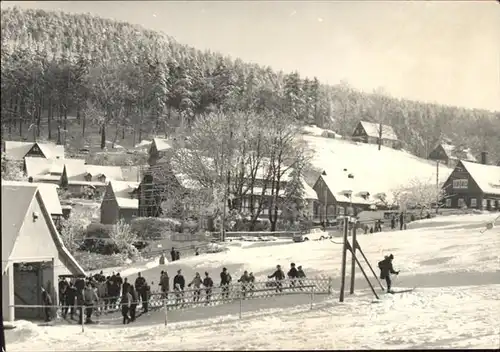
165, 282
118, 279
251, 278
197, 281
80, 284
134, 295
70, 296
278, 275
162, 260
46, 299
140, 283
179, 279
386, 268
293, 273
225, 278
172, 255
89, 296
300, 273
102, 289
126, 300
208, 282
63, 285
244, 278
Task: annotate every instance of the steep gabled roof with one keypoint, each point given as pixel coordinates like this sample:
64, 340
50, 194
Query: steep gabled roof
17, 150
162, 144
372, 130
48, 191
16, 202
122, 190
487, 177
52, 151
452, 153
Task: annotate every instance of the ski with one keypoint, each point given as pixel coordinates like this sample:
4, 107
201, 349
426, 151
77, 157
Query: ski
402, 291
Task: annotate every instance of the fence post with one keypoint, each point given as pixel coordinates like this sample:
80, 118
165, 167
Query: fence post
330, 285
241, 302
165, 305
81, 317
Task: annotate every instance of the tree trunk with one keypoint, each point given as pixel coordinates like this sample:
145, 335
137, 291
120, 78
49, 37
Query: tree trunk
21, 117
49, 118
11, 114
103, 136
39, 116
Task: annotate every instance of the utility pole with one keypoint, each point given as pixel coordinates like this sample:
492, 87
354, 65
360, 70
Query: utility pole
344, 255
437, 187
353, 251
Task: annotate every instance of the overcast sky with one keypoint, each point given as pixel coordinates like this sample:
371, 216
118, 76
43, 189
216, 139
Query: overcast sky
442, 51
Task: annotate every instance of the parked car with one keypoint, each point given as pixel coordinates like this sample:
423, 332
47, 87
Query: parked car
315, 234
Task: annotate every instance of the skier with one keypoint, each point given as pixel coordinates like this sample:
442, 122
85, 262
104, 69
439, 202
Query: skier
196, 282
278, 275
386, 270
225, 280
208, 283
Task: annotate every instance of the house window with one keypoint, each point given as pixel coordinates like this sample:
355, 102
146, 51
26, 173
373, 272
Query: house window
448, 202
473, 202
460, 184
461, 202
485, 203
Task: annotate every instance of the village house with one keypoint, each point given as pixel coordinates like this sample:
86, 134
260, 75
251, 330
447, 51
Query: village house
449, 154
17, 151
341, 194
88, 181
120, 202
159, 147
369, 132
473, 185
49, 170
33, 254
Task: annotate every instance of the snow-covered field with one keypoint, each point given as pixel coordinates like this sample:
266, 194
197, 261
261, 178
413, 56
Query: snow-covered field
456, 303
383, 170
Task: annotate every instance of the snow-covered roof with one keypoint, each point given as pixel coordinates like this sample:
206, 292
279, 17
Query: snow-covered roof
451, 153
487, 177
15, 150
309, 192
162, 144
373, 129
122, 190
41, 167
345, 189
48, 191
76, 173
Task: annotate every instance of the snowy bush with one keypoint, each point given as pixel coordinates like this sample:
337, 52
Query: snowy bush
154, 228
215, 248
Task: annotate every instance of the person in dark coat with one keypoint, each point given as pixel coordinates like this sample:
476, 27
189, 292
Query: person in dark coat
401, 221
179, 284
386, 270
300, 275
134, 302
47, 302
63, 285
140, 287
279, 276
125, 285
244, 279
177, 255
80, 286
162, 259
225, 281
164, 284
69, 304
173, 254
208, 283
126, 303
292, 274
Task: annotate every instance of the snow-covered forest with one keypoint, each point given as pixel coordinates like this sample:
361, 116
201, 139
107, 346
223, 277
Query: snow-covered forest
118, 77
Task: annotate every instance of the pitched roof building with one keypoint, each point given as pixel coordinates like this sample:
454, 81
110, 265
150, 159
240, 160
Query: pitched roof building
19, 150
120, 202
49, 170
473, 185
450, 154
369, 132
33, 254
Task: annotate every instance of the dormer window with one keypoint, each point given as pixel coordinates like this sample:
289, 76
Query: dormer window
88, 177
101, 178
365, 195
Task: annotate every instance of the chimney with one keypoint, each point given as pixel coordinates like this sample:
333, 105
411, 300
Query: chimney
484, 158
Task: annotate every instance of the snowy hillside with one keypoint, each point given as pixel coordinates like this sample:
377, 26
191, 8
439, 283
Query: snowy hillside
456, 303
374, 171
